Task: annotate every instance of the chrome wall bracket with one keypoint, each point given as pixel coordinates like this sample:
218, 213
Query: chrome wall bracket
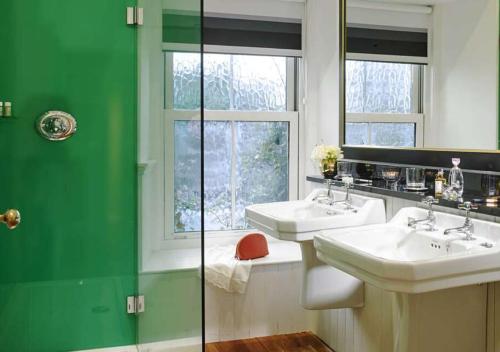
135, 304
135, 16
56, 125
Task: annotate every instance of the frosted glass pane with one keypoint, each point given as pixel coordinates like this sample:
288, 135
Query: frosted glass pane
258, 83
355, 86
187, 176
379, 87
232, 82
393, 134
261, 165
357, 133
187, 73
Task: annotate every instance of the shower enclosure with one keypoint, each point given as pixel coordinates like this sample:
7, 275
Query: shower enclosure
100, 210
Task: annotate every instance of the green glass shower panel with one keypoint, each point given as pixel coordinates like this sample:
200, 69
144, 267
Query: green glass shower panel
66, 270
172, 285
181, 27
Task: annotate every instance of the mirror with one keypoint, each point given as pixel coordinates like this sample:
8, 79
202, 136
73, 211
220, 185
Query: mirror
421, 74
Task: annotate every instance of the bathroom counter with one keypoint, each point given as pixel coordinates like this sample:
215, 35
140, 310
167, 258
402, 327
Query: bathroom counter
379, 187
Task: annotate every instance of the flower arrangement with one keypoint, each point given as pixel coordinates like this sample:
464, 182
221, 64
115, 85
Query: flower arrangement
326, 156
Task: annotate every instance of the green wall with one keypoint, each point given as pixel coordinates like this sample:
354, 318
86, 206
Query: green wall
65, 272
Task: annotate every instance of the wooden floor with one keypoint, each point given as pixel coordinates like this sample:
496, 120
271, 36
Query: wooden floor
301, 342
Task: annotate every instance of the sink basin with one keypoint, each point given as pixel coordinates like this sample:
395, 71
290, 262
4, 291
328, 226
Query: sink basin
398, 258
301, 220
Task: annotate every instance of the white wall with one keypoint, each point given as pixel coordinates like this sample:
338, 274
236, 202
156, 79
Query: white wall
464, 75
321, 121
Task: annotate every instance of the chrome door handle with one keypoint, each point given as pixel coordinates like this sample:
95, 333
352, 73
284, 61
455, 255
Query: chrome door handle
11, 218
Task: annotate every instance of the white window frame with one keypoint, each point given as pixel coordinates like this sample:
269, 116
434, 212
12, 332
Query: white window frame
171, 115
417, 118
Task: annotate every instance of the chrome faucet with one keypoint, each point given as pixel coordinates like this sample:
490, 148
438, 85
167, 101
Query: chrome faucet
330, 199
430, 221
347, 201
468, 227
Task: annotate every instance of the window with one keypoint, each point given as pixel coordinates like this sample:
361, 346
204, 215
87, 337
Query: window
250, 139
383, 103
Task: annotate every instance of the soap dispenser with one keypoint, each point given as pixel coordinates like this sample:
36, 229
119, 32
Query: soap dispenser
439, 183
456, 178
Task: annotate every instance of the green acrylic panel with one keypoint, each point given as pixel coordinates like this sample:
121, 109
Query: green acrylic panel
173, 306
173, 312
181, 27
66, 270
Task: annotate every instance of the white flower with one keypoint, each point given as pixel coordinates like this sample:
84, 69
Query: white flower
322, 151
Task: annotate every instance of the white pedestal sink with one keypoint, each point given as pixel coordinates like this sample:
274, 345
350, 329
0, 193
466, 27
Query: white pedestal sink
323, 287
434, 276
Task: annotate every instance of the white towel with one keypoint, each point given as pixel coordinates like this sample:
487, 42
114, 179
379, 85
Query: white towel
223, 270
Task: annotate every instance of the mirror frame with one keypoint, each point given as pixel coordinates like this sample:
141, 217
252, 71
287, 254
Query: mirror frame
382, 154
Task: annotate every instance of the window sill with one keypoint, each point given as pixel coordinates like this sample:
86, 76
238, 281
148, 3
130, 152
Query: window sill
171, 260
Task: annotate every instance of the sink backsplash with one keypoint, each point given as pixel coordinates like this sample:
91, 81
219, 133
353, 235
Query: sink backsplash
478, 185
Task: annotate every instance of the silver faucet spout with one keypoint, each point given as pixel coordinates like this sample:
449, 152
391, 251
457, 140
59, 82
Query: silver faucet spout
412, 221
467, 230
461, 229
468, 227
430, 220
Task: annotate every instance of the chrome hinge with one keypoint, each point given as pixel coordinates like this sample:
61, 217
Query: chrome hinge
135, 304
135, 16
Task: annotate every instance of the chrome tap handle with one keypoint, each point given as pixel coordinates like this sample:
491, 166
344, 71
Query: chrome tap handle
430, 201
467, 206
11, 218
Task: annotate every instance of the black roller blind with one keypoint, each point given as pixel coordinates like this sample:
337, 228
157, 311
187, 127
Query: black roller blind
184, 28
252, 33
386, 42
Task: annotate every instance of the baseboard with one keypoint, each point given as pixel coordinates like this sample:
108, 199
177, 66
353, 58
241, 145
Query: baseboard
191, 344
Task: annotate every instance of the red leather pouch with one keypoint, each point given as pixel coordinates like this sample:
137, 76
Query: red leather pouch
252, 246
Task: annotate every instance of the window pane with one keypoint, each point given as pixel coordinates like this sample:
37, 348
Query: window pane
379, 87
355, 86
218, 157
258, 83
393, 134
356, 133
261, 171
232, 82
187, 73
187, 198
261, 165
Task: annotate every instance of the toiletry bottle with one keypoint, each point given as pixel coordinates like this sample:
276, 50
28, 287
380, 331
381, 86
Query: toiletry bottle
456, 178
439, 183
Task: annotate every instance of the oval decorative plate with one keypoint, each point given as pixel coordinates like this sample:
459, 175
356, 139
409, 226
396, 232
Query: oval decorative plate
56, 125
